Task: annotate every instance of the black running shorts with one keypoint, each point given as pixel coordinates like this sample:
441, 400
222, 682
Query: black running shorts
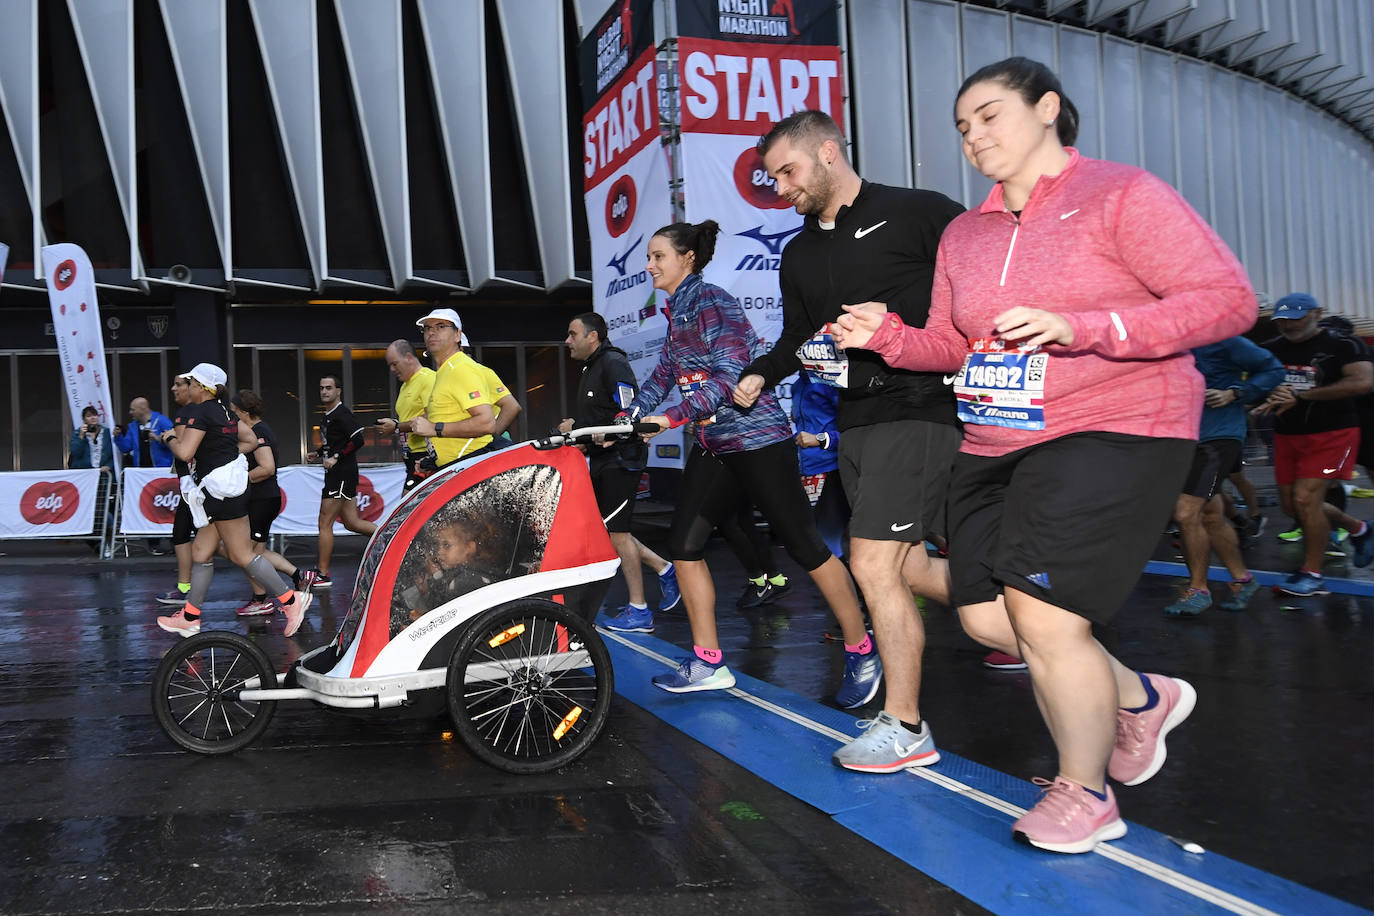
896, 476
1071, 521
341, 481
183, 526
226, 510
615, 489
1213, 461
261, 514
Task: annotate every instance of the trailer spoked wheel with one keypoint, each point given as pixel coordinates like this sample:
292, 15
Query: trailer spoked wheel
529, 686
196, 693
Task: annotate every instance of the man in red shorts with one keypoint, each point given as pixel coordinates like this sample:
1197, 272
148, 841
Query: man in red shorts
1316, 428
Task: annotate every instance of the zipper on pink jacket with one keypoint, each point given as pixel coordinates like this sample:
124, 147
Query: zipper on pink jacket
1011, 247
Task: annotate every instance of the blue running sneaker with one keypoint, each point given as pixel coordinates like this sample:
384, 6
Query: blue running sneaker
886, 747
1303, 583
863, 674
693, 674
1240, 597
1364, 547
631, 620
1190, 604
669, 594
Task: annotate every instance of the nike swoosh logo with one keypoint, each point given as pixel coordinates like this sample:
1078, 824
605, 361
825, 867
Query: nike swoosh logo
902, 527
949, 379
1330, 470
860, 233
904, 751
1070, 213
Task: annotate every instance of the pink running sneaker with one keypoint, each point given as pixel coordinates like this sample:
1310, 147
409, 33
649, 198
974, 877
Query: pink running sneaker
257, 608
1069, 818
295, 612
178, 624
1139, 751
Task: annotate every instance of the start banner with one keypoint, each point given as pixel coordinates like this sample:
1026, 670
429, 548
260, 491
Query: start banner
151, 497
48, 504
625, 187
743, 66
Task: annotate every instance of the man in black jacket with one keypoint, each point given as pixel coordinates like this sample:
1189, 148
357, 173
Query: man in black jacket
866, 243
606, 388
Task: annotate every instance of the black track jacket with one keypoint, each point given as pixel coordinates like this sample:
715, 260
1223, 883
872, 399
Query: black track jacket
598, 403
882, 249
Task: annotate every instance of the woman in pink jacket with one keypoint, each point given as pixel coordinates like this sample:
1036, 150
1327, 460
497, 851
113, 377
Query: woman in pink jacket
1064, 308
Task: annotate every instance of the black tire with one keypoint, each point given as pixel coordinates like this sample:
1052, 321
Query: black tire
196, 687
510, 720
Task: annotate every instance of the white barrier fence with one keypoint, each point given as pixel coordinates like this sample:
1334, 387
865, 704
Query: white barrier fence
56, 504
151, 496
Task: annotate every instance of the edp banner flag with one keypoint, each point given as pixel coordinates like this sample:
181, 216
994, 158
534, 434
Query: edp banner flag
744, 65
76, 324
48, 504
625, 188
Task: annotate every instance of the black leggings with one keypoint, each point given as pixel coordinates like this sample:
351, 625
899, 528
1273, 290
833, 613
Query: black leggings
714, 487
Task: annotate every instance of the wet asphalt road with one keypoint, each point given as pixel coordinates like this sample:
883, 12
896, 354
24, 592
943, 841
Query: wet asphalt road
100, 813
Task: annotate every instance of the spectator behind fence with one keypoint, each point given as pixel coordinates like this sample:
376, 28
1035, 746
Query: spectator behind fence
141, 441
92, 447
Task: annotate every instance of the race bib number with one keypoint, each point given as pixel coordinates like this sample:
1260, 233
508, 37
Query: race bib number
1300, 378
823, 360
998, 386
813, 485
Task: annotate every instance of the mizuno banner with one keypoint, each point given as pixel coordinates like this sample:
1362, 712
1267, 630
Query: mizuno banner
625, 173
743, 66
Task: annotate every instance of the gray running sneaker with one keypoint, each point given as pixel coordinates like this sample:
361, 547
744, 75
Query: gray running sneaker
886, 747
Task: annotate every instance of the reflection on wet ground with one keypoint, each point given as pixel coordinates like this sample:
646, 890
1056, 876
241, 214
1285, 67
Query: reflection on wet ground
102, 813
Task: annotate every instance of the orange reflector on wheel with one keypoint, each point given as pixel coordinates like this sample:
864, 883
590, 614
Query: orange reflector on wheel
506, 635
567, 723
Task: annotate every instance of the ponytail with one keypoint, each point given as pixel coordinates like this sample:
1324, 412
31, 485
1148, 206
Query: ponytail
698, 238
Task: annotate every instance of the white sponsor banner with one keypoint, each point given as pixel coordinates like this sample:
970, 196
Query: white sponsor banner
379, 489
48, 504
726, 182
627, 199
151, 496
149, 501
76, 324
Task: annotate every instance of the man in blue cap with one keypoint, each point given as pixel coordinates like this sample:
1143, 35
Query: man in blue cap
1316, 428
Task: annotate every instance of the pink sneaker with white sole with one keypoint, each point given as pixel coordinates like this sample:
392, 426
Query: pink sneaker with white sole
1069, 818
1139, 751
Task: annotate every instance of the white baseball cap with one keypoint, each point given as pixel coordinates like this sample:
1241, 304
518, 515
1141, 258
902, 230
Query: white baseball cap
448, 315
208, 374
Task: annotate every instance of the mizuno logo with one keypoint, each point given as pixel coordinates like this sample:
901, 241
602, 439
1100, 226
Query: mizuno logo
1070, 213
619, 263
860, 233
897, 527
1041, 579
773, 241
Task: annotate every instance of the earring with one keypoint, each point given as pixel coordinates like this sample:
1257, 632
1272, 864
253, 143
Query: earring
1050, 122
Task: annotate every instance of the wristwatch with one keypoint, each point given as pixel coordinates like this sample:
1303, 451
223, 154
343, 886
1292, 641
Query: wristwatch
439, 429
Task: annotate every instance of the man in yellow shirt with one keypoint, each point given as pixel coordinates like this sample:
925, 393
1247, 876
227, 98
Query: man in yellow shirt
417, 384
459, 420
503, 403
